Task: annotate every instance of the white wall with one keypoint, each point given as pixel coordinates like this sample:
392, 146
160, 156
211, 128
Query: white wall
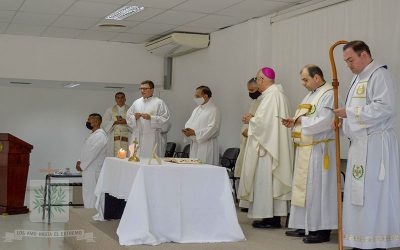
307, 38
52, 120
60, 59
226, 66
236, 53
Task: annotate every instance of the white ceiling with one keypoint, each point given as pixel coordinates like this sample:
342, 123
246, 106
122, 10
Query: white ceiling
79, 19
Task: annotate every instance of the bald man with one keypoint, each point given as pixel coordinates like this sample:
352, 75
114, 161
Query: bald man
266, 177
93, 154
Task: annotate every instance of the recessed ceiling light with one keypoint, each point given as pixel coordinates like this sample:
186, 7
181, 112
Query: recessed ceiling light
71, 85
124, 12
112, 25
113, 87
22, 83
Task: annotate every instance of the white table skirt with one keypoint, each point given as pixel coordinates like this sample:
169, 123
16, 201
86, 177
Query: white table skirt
170, 203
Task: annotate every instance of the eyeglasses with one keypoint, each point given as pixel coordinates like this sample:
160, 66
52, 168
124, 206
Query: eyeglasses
258, 77
142, 89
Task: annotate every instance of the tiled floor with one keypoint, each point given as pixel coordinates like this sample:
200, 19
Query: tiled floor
10, 223
105, 236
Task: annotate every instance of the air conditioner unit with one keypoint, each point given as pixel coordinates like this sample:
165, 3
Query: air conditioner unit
177, 44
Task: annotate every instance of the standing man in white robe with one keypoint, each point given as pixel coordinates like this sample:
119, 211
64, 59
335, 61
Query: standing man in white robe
314, 199
371, 218
255, 101
146, 117
93, 154
202, 128
266, 178
114, 123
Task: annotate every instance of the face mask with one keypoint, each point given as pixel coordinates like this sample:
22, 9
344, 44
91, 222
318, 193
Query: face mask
89, 126
255, 95
199, 100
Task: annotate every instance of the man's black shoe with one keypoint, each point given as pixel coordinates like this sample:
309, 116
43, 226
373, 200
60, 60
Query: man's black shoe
296, 233
244, 210
267, 223
355, 248
317, 237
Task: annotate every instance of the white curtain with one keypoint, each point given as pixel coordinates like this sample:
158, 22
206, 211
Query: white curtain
307, 38
236, 53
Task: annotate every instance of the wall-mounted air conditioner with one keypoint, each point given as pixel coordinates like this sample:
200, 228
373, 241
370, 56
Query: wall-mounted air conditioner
176, 44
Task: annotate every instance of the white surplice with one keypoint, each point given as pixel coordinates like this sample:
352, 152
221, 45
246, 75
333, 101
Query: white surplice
266, 178
205, 121
93, 154
110, 127
320, 211
243, 140
148, 132
375, 223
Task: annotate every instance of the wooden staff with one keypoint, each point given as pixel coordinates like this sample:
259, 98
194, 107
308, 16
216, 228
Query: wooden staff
335, 84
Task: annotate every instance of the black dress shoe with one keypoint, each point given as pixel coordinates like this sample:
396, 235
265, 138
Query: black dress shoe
244, 210
296, 233
355, 248
268, 223
317, 237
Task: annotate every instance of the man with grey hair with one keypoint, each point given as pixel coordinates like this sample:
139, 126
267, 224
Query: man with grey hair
266, 177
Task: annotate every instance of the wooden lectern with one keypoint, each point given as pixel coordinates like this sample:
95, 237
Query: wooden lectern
14, 166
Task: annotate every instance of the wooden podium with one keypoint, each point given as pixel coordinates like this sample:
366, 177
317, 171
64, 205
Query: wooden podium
14, 166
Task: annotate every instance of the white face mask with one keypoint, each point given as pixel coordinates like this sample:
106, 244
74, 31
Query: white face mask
199, 100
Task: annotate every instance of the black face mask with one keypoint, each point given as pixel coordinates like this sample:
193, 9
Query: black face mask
89, 126
255, 95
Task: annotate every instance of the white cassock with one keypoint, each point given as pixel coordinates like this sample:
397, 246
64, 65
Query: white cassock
93, 154
371, 217
266, 178
320, 209
148, 132
205, 121
243, 140
118, 134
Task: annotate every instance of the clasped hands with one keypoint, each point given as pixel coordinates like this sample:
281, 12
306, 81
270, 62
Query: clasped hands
78, 166
340, 113
143, 115
246, 118
120, 120
188, 132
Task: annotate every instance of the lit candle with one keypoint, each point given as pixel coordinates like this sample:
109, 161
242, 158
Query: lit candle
121, 154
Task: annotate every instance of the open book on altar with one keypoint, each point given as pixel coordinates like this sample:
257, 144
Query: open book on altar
183, 160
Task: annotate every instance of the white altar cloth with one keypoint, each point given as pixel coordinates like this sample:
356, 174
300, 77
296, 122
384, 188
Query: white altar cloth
183, 203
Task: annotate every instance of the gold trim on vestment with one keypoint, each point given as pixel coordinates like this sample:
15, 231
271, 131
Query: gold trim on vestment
365, 239
315, 143
304, 106
296, 134
357, 113
305, 143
